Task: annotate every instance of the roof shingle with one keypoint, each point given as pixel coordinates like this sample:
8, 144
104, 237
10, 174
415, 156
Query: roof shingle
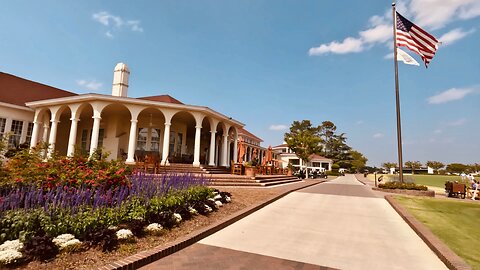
18, 91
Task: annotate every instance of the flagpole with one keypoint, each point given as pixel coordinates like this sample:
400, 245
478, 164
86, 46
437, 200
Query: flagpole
397, 95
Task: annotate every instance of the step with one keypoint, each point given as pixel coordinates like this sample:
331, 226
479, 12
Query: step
276, 179
281, 182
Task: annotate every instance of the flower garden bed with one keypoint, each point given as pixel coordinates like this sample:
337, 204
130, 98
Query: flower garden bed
68, 205
427, 193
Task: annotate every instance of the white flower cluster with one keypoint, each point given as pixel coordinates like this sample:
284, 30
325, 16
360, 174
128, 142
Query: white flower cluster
228, 199
10, 252
113, 228
208, 208
219, 203
154, 227
12, 245
124, 234
192, 210
217, 197
177, 217
66, 240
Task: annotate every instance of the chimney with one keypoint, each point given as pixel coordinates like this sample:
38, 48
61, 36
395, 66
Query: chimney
120, 80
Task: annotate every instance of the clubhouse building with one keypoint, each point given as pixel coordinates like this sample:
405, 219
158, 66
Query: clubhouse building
127, 128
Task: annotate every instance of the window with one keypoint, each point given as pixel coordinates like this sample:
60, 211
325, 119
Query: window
3, 123
29, 133
101, 134
155, 140
84, 141
16, 130
142, 139
87, 139
179, 144
171, 147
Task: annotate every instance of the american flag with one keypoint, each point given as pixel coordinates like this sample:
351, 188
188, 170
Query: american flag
416, 39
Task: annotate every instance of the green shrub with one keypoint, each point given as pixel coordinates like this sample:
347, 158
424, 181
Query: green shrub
333, 173
28, 166
398, 185
40, 248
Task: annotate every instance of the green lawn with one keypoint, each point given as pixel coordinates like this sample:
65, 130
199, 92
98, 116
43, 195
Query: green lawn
454, 222
435, 180
427, 180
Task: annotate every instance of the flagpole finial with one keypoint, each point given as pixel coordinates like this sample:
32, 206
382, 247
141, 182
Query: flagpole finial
393, 4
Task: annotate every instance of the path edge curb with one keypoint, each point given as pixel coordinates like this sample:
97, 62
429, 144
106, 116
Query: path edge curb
446, 255
148, 256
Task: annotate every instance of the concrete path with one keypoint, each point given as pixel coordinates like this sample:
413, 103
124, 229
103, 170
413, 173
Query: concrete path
340, 224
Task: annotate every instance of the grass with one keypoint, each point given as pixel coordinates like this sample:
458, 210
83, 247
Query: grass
454, 222
435, 180
427, 180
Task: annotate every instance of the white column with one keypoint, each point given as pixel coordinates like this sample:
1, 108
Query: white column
53, 137
132, 141
35, 131
23, 133
229, 159
166, 143
235, 149
211, 159
196, 150
73, 136
224, 150
45, 132
95, 131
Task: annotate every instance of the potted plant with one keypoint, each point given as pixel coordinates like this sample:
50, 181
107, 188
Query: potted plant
289, 169
249, 169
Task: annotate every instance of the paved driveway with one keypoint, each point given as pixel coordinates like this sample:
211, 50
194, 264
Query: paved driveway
339, 224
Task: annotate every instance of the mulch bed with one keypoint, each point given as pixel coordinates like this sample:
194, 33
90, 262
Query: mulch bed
93, 258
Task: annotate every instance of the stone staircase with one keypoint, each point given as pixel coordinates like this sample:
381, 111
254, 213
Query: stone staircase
215, 169
220, 176
257, 181
179, 168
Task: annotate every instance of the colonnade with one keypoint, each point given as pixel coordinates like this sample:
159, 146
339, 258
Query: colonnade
50, 130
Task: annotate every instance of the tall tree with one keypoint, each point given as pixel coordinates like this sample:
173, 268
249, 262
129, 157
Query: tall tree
303, 139
388, 165
358, 160
414, 165
435, 165
457, 168
327, 131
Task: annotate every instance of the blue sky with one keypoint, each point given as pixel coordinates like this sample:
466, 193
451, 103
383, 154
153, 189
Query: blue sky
268, 63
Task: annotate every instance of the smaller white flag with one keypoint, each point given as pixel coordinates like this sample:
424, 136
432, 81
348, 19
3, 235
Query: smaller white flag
406, 58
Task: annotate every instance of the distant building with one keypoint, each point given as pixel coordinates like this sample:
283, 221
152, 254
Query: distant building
286, 155
128, 128
252, 145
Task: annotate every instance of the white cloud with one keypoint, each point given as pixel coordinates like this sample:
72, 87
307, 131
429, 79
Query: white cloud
359, 122
278, 127
107, 19
431, 14
454, 35
450, 95
438, 131
135, 26
380, 33
378, 135
348, 45
456, 123
91, 85
435, 14
115, 23
109, 34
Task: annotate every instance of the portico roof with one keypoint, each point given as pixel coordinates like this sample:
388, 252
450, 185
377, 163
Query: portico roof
135, 101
